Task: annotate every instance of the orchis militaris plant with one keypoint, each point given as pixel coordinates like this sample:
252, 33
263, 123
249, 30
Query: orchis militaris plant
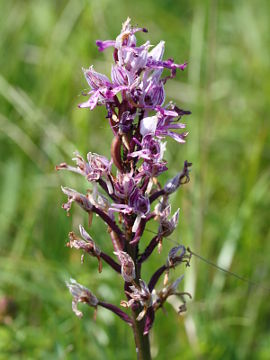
126, 193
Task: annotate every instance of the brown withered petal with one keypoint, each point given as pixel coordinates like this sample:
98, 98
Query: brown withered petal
80, 199
80, 294
127, 266
88, 245
95, 250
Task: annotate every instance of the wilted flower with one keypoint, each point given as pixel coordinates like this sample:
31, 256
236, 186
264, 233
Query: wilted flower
80, 199
127, 266
167, 227
176, 256
80, 294
167, 291
88, 245
139, 294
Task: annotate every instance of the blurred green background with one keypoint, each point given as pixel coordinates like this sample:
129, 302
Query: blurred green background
224, 209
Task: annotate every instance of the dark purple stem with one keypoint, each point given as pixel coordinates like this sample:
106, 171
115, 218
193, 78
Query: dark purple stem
139, 232
155, 277
117, 311
150, 317
113, 264
112, 224
148, 251
156, 195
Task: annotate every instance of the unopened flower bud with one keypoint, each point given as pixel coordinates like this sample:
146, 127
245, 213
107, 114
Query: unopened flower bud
181, 178
167, 227
176, 255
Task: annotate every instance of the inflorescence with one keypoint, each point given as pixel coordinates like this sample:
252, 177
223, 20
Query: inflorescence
125, 188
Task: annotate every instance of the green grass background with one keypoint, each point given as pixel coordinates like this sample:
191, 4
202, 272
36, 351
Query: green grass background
224, 209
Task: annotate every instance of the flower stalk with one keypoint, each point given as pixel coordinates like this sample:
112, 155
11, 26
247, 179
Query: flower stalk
125, 187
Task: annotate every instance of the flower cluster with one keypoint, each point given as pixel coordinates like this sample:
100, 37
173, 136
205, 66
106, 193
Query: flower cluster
125, 187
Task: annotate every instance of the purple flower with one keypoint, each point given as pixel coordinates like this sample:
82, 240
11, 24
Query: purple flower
94, 169
154, 169
136, 73
102, 45
137, 204
154, 93
157, 52
151, 149
95, 80
121, 76
140, 205
102, 90
125, 122
99, 166
168, 64
162, 123
124, 185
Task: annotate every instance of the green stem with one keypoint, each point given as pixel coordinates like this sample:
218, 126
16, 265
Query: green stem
141, 341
